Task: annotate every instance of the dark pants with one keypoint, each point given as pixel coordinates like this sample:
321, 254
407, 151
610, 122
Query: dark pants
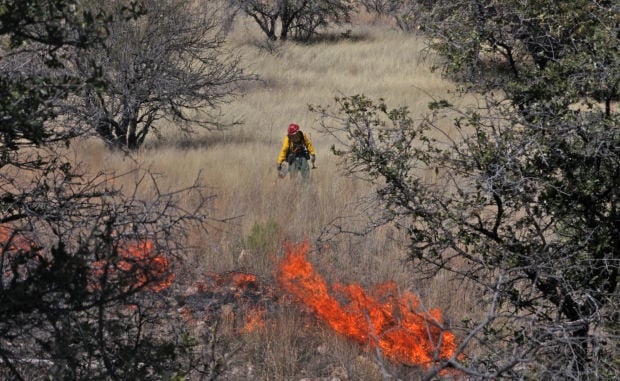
300, 164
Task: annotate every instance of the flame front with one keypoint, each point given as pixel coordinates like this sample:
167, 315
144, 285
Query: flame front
382, 318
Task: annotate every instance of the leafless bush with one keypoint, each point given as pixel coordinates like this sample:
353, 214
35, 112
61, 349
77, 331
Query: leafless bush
297, 18
85, 268
167, 63
548, 294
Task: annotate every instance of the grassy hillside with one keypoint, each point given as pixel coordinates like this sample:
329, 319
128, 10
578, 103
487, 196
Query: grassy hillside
254, 212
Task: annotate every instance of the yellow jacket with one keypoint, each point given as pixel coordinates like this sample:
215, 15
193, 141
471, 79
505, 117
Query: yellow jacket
288, 144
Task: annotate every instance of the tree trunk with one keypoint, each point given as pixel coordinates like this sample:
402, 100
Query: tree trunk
271, 34
132, 138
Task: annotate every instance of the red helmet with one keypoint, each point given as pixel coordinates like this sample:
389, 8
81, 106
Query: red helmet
293, 129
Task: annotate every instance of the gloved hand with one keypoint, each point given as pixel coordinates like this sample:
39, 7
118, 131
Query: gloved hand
313, 158
279, 166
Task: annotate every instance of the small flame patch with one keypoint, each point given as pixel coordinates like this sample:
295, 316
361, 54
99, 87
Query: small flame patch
149, 269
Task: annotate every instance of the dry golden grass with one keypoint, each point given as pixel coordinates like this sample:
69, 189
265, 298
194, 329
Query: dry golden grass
238, 165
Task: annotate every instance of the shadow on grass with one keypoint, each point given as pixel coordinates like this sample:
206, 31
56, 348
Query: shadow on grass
204, 140
335, 37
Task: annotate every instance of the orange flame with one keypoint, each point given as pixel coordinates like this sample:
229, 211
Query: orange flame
137, 258
12, 243
17, 241
254, 320
382, 318
149, 269
243, 280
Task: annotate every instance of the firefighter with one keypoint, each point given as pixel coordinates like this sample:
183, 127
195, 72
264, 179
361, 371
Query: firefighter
296, 150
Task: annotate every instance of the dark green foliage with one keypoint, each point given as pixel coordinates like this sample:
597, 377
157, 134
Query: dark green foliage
73, 304
36, 33
567, 49
525, 195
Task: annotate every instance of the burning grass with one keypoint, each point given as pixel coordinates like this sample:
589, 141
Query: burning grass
238, 163
135, 263
381, 318
227, 296
136, 260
